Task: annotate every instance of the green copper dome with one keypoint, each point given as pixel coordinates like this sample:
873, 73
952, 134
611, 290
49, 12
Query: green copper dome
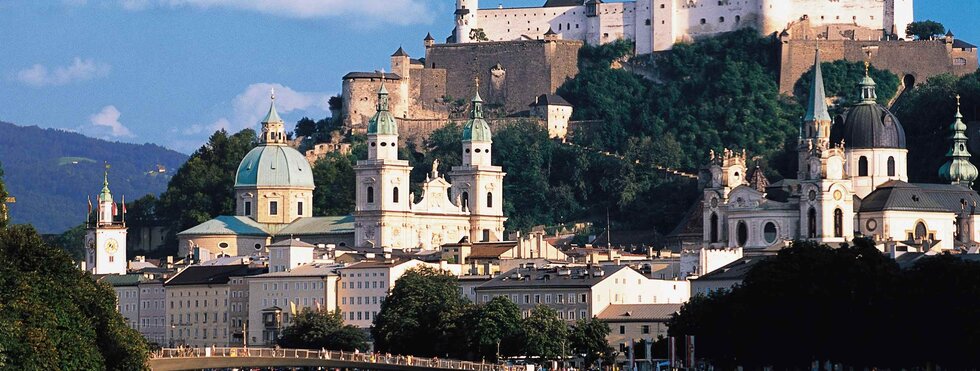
383, 123
958, 169
476, 128
105, 195
274, 166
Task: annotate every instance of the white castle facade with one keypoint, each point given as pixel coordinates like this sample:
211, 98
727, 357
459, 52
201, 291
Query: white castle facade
656, 25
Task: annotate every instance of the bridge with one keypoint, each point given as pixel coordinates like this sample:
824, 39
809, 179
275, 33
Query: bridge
175, 359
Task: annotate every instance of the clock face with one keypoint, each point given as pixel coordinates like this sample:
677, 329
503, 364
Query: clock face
111, 246
838, 195
872, 224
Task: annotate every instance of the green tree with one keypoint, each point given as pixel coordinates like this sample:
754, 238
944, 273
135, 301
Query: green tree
477, 34
492, 329
545, 335
420, 315
588, 337
925, 30
322, 330
54, 316
841, 79
334, 178
305, 127
203, 187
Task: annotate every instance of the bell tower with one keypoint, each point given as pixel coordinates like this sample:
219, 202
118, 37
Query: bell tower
105, 239
478, 184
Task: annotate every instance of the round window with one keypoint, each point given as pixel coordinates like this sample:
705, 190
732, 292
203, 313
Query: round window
467, 150
258, 246
770, 232
223, 245
384, 144
477, 150
714, 202
813, 195
373, 144
871, 224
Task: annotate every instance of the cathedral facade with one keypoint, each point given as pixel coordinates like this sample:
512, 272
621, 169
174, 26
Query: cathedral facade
386, 212
852, 181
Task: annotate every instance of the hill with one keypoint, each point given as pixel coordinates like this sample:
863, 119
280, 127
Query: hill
51, 172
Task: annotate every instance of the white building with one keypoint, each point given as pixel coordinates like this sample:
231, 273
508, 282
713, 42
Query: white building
852, 181
656, 25
198, 304
105, 240
275, 297
364, 285
386, 214
555, 111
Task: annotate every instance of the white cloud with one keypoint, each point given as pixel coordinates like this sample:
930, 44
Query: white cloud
109, 117
388, 11
79, 70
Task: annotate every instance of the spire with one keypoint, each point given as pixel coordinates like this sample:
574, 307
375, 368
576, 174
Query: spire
477, 102
105, 195
383, 122
272, 116
868, 94
817, 106
476, 128
958, 169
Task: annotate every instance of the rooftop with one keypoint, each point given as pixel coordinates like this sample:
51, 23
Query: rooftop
306, 270
580, 277
319, 225
228, 225
896, 195
639, 312
735, 270
212, 274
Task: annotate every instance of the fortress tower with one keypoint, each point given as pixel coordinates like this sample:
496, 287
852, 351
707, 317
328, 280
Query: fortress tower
466, 19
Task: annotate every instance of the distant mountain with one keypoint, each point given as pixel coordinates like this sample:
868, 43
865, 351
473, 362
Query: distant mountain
50, 172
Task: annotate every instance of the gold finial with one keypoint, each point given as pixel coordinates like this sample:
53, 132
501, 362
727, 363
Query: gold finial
957, 102
867, 68
477, 78
272, 93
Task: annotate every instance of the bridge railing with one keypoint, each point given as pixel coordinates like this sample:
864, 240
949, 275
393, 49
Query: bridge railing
334, 355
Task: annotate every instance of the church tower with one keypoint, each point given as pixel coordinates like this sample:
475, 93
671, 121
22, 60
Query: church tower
105, 240
826, 197
383, 205
958, 169
477, 183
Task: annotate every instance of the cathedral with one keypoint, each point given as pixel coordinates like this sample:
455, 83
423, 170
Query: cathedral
470, 208
852, 182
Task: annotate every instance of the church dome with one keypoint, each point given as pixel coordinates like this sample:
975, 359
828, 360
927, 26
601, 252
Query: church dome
274, 166
869, 124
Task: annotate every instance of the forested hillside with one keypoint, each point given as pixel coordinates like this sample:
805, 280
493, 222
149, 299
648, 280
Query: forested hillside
50, 172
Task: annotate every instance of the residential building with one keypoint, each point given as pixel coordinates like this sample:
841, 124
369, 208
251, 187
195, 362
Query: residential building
276, 297
364, 285
636, 322
199, 304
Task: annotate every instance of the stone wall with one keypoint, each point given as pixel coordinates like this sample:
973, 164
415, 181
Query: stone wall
912, 61
512, 73
416, 131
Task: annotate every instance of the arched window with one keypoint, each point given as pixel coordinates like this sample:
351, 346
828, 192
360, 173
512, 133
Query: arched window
891, 166
394, 195
838, 223
742, 234
370, 194
714, 227
489, 199
920, 231
769, 233
811, 223
465, 199
863, 166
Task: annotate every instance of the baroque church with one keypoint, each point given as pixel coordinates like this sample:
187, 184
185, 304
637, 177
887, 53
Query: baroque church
852, 181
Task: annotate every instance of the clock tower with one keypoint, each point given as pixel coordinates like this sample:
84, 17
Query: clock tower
105, 240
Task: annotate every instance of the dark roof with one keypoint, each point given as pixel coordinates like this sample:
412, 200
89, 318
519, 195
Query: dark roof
580, 277
647, 237
489, 252
553, 3
292, 243
550, 100
400, 53
212, 274
953, 197
900, 196
693, 223
963, 44
428, 37
735, 270
869, 126
639, 312
371, 75
550, 32
758, 180
782, 190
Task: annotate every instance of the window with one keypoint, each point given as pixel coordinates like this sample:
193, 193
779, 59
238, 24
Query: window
703, 21
248, 207
465, 198
299, 208
486, 235
394, 195
714, 227
645, 329
920, 230
489, 199
370, 194
838, 223
769, 232
811, 223
891, 166
863, 166
742, 234
622, 329
273, 208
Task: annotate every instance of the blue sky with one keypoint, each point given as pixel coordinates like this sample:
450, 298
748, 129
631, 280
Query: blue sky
172, 71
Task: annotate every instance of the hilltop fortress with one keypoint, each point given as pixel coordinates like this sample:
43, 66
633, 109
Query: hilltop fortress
656, 25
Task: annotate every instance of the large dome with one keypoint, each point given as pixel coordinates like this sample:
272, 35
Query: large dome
869, 125
274, 166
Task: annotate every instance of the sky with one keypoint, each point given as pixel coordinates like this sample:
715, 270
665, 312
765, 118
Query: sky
171, 72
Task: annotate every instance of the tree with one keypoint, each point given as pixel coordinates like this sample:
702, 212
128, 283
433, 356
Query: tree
925, 30
334, 177
545, 335
588, 337
841, 80
420, 315
322, 330
477, 34
54, 316
492, 329
305, 127
3, 201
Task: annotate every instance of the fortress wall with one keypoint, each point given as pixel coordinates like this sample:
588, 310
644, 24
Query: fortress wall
427, 87
616, 21
514, 23
919, 59
709, 18
410, 130
360, 99
529, 68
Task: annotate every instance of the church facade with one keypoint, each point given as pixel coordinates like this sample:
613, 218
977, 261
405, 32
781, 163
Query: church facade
852, 181
386, 212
